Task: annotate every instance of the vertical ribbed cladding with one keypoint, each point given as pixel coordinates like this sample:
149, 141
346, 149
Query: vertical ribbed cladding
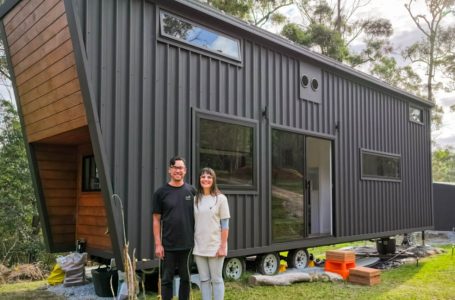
146, 87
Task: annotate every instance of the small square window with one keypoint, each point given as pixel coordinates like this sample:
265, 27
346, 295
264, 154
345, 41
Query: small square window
90, 176
415, 114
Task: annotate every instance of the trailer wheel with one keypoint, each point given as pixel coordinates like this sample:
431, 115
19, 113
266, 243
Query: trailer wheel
233, 268
269, 263
298, 259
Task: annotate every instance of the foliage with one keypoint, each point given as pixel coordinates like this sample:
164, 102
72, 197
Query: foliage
328, 29
444, 165
257, 12
435, 51
19, 242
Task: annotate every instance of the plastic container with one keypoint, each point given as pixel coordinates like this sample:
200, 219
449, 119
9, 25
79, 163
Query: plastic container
102, 281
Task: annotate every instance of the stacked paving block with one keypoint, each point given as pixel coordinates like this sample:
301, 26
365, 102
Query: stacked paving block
338, 261
364, 276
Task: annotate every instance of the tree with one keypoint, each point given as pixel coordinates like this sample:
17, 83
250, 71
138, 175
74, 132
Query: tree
17, 201
405, 78
444, 165
257, 12
329, 29
435, 50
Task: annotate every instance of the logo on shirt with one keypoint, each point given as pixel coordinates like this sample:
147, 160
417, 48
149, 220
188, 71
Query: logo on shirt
188, 198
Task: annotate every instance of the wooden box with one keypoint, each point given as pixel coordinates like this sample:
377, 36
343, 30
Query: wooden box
364, 276
340, 256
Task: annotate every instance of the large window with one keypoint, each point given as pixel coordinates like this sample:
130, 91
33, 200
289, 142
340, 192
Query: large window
228, 148
380, 166
90, 177
187, 32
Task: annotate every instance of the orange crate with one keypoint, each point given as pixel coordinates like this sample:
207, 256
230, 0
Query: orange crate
341, 268
340, 255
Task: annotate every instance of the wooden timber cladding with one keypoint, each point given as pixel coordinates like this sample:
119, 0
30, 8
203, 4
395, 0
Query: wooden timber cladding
58, 173
44, 67
91, 220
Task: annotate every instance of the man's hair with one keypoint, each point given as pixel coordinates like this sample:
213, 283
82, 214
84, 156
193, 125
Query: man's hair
174, 159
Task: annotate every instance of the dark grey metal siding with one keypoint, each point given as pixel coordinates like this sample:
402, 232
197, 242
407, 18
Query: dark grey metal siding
147, 88
444, 206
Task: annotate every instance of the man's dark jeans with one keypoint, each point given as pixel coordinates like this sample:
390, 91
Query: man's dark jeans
175, 260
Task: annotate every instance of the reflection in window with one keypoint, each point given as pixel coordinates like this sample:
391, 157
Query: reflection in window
228, 149
287, 185
380, 166
90, 177
177, 28
415, 114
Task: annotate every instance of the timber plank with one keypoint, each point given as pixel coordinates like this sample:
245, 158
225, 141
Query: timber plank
60, 210
64, 127
91, 202
61, 92
50, 17
55, 55
42, 51
37, 41
58, 184
56, 174
64, 229
51, 71
64, 193
97, 241
92, 230
91, 220
92, 211
60, 201
55, 156
58, 165
63, 237
13, 13
61, 105
62, 220
49, 85
57, 118
21, 15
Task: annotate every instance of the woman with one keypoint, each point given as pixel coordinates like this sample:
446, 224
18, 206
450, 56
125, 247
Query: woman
211, 217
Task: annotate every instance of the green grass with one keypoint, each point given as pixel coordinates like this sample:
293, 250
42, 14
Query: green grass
433, 278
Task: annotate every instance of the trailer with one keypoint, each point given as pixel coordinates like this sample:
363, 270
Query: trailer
309, 151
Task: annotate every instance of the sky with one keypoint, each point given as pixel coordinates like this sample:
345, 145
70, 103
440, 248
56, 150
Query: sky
405, 33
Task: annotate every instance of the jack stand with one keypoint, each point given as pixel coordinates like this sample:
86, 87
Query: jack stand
423, 238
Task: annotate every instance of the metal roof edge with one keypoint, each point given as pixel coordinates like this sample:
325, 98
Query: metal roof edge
7, 6
274, 38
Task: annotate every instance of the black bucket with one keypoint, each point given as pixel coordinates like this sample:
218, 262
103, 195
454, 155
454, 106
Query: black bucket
102, 281
386, 246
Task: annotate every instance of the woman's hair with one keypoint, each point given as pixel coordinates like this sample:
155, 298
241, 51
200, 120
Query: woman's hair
214, 191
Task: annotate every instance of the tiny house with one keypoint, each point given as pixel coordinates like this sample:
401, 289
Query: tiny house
309, 151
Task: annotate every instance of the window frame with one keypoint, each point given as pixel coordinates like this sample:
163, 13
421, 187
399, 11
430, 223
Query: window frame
195, 46
382, 154
83, 178
232, 120
411, 106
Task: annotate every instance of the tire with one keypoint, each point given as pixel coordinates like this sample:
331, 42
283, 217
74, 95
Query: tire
233, 268
269, 263
298, 259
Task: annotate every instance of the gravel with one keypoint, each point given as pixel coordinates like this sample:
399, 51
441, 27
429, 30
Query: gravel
81, 292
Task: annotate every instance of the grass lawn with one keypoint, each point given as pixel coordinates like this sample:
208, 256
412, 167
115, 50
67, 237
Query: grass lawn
433, 278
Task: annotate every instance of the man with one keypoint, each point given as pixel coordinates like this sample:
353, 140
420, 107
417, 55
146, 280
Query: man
173, 228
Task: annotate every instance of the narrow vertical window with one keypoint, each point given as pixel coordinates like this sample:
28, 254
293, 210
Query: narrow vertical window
415, 114
90, 176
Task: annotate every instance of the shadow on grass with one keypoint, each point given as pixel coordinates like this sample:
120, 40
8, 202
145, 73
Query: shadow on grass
29, 295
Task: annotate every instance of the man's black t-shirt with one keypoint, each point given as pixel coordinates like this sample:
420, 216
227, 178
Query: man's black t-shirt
175, 205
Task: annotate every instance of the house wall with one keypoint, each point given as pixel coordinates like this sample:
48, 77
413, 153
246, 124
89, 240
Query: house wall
444, 206
58, 177
44, 68
147, 87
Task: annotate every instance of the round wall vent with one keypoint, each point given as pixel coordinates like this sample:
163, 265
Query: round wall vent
314, 84
304, 81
